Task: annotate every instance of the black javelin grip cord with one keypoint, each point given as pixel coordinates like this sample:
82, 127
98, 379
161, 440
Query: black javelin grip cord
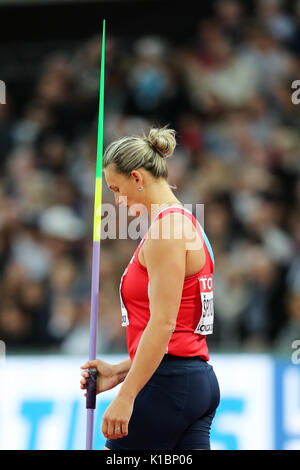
91, 388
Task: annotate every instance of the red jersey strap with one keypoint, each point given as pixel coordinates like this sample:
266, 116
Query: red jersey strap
187, 213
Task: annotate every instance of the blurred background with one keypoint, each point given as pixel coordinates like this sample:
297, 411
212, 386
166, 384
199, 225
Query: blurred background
222, 77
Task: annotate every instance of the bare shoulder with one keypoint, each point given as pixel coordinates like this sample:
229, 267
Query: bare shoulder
169, 226
163, 251
177, 227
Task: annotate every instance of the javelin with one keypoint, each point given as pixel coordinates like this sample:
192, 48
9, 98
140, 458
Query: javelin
92, 379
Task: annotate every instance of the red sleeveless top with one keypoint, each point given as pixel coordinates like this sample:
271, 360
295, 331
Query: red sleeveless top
195, 315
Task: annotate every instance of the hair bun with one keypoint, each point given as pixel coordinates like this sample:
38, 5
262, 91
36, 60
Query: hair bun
163, 140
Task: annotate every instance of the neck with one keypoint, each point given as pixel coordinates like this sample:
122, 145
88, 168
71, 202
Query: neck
160, 195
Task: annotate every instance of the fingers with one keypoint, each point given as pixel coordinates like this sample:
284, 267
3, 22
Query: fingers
82, 384
104, 428
83, 380
111, 429
89, 364
118, 431
125, 428
114, 430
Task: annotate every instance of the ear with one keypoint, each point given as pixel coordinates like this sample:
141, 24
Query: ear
137, 176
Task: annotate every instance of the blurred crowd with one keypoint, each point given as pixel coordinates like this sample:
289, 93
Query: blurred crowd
227, 91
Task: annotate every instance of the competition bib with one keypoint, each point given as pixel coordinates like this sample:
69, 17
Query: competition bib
205, 325
125, 320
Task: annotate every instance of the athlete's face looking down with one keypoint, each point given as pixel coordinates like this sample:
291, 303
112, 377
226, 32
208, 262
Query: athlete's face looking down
125, 188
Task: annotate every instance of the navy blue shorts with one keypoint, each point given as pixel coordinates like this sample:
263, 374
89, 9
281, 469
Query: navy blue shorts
175, 409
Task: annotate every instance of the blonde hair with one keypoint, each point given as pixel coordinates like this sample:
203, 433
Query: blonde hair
149, 152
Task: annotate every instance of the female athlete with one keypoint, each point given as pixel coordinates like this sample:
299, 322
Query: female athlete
169, 393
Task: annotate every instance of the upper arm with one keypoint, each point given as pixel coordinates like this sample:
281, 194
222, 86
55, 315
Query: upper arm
165, 262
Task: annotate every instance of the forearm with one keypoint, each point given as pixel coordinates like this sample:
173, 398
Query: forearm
151, 349
122, 369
